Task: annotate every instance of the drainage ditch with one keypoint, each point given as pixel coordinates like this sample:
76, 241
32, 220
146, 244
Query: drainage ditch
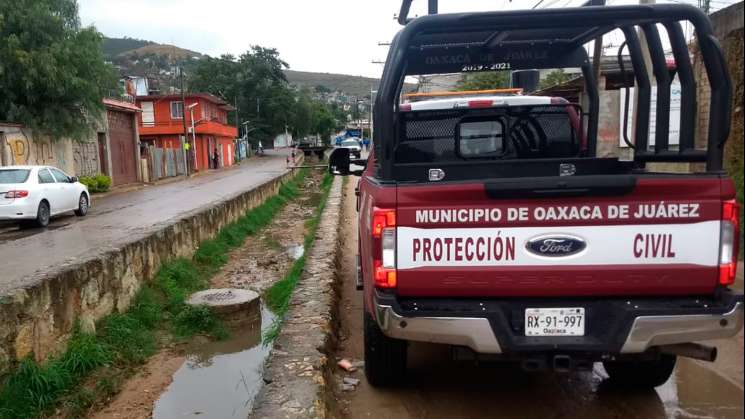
205, 378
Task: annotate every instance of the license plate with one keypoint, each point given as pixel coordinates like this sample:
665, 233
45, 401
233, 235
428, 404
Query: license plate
555, 321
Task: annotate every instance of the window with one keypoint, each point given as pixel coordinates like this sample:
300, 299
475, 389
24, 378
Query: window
148, 114
45, 176
13, 176
481, 139
177, 110
60, 175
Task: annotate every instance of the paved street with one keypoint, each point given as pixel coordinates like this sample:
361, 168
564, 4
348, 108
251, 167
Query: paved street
121, 218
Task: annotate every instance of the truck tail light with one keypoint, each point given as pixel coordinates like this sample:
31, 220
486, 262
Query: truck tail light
729, 241
384, 247
16, 194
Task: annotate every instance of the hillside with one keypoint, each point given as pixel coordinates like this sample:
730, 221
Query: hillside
171, 52
115, 46
352, 85
137, 57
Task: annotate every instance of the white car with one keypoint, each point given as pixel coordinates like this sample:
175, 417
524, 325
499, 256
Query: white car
33, 194
354, 146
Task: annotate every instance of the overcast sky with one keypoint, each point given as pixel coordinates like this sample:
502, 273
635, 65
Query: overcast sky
334, 36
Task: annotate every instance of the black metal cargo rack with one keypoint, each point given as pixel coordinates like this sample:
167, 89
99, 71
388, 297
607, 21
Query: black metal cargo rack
554, 38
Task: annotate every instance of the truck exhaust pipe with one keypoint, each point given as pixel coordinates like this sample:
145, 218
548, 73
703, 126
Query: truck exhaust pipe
691, 350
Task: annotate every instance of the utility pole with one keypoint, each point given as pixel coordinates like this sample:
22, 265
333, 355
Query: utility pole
184, 139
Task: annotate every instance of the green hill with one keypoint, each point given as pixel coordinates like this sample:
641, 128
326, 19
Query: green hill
115, 46
352, 85
141, 57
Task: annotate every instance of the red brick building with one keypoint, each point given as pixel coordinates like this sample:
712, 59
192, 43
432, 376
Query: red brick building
161, 125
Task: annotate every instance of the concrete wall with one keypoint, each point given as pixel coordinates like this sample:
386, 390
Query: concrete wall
38, 320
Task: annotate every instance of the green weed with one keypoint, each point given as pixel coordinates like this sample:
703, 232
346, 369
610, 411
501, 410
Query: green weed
194, 320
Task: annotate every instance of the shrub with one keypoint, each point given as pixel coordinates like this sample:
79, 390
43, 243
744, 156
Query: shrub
96, 184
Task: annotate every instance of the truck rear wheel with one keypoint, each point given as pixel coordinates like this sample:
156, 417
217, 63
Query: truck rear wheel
385, 358
641, 374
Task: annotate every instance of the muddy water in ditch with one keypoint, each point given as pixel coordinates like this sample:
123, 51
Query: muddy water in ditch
219, 379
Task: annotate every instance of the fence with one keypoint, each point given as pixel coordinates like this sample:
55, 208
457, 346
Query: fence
164, 162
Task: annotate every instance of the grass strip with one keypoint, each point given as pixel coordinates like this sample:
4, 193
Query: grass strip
277, 297
124, 341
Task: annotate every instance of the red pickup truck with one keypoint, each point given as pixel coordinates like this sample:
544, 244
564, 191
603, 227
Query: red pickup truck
490, 224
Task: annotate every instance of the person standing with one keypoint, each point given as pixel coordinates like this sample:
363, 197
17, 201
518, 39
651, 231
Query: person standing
216, 159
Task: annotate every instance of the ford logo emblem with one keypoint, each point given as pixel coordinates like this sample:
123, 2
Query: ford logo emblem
555, 246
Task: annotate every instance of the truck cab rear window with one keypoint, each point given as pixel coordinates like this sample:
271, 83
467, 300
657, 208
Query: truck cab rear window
479, 139
524, 132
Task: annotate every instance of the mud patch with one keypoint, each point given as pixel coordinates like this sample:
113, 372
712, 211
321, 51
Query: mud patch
136, 398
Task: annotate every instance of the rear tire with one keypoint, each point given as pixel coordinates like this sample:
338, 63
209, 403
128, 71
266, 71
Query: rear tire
385, 358
42, 214
83, 205
641, 374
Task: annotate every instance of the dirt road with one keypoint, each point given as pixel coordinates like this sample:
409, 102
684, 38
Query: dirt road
438, 387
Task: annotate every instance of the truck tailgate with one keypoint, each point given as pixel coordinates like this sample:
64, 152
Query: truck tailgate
659, 238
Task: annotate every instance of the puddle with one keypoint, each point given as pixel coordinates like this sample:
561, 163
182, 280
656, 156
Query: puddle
295, 251
218, 379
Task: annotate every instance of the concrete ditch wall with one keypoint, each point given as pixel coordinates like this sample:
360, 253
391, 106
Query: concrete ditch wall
39, 319
296, 374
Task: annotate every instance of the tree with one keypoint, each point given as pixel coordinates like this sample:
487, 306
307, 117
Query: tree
53, 76
555, 77
256, 80
484, 81
325, 123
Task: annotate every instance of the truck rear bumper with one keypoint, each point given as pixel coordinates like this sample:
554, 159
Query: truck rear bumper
650, 331
475, 333
613, 326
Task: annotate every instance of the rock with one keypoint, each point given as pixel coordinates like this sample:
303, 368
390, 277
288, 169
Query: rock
24, 341
346, 365
351, 381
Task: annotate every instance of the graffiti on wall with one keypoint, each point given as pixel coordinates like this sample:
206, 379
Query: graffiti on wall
85, 156
20, 148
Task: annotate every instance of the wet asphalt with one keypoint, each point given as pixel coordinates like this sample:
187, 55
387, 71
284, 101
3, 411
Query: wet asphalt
28, 254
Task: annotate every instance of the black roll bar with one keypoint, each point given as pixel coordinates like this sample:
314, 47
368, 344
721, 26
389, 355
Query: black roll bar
594, 109
662, 75
547, 36
643, 90
684, 69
